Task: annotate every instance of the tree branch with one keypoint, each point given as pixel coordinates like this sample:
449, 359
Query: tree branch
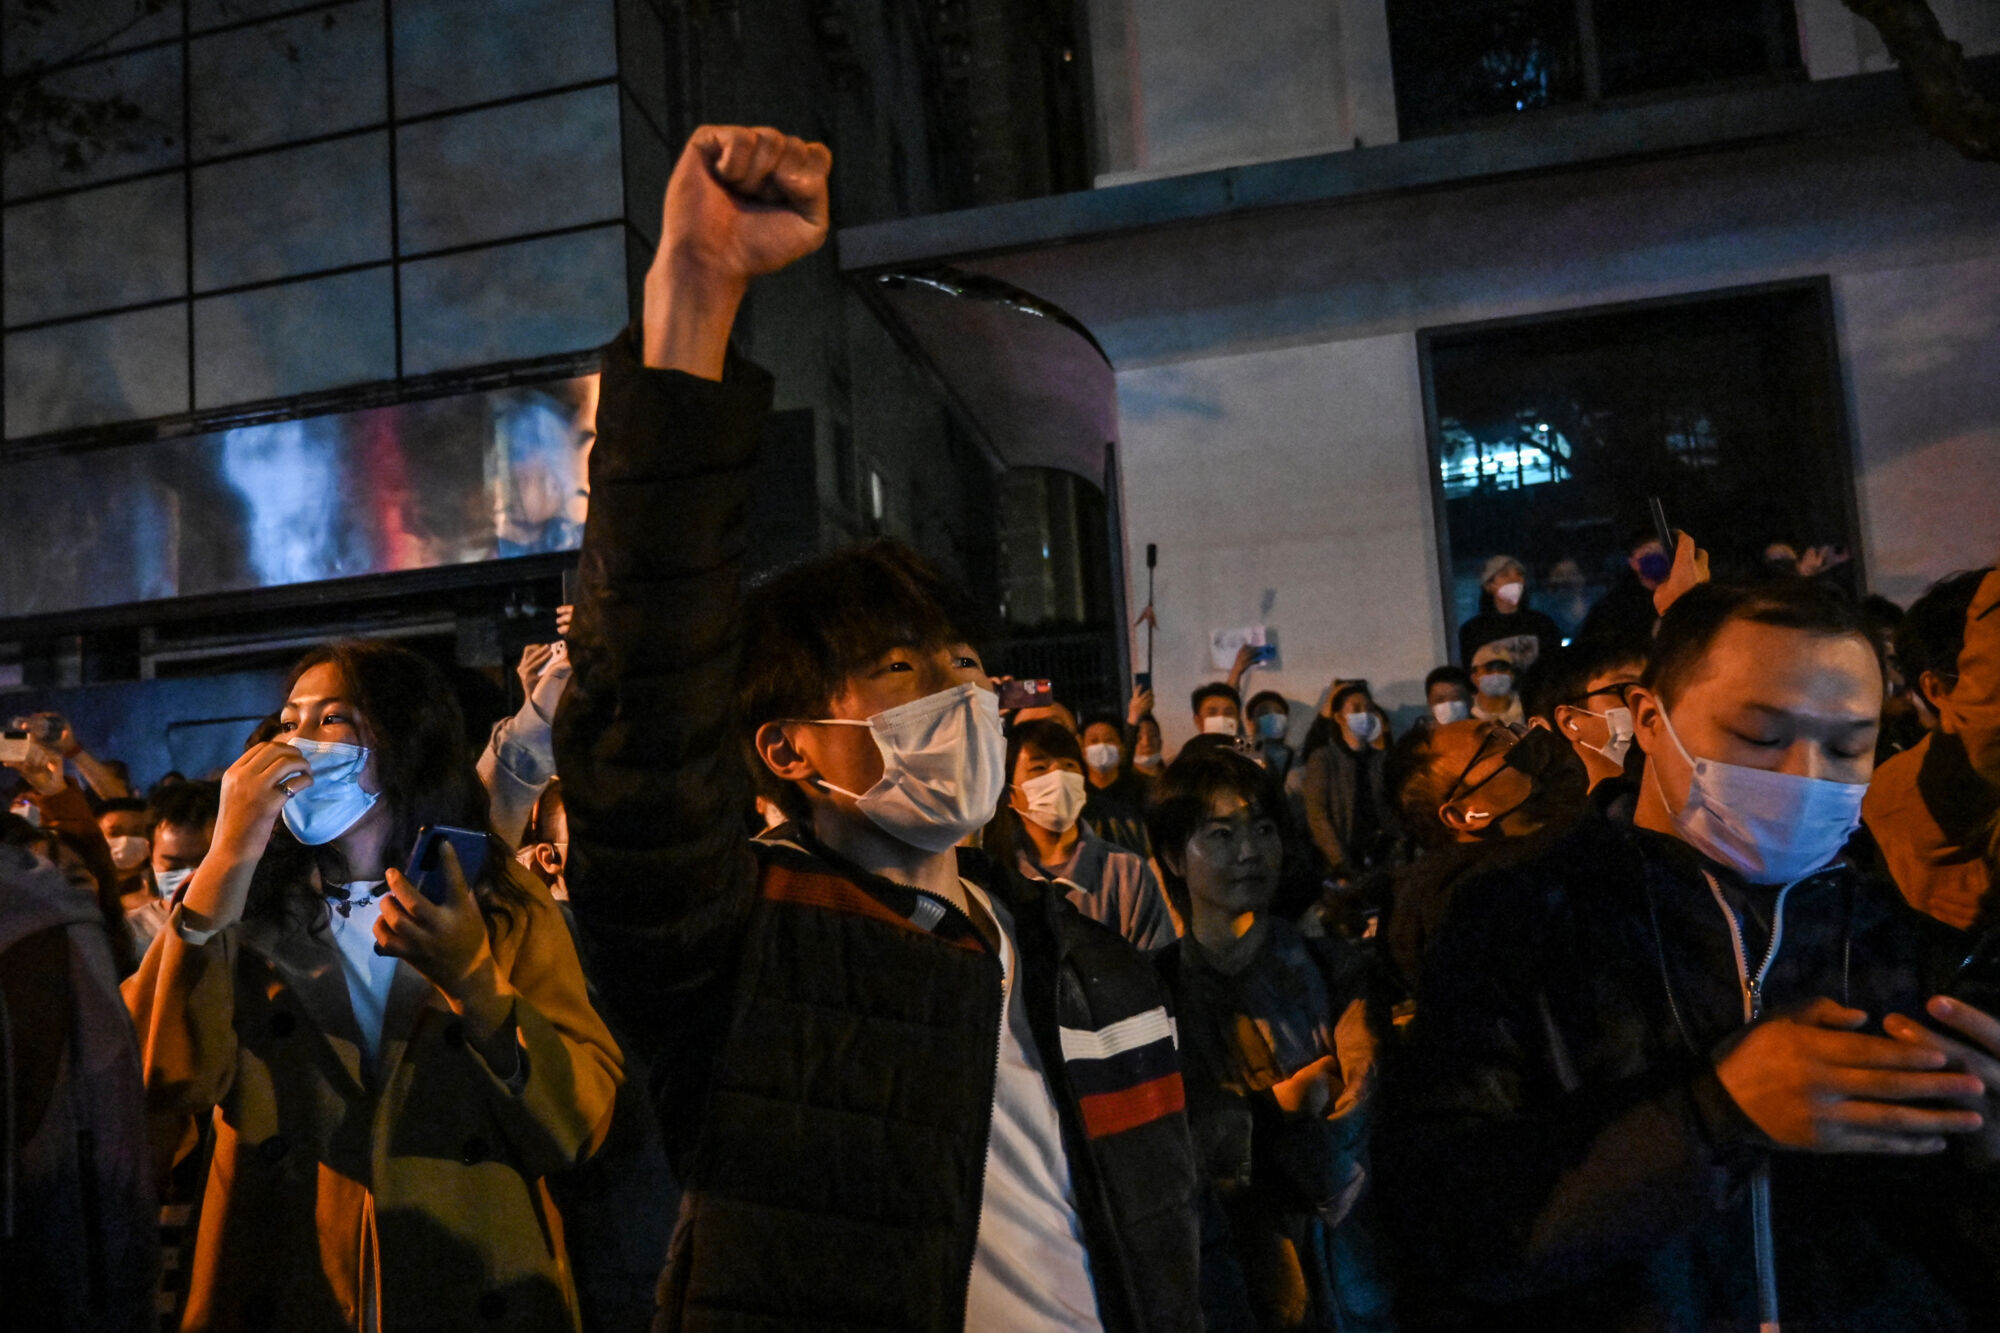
1946, 100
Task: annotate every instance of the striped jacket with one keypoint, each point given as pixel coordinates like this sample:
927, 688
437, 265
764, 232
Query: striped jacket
823, 1043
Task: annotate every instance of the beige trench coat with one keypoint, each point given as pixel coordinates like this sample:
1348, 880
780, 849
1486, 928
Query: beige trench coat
411, 1200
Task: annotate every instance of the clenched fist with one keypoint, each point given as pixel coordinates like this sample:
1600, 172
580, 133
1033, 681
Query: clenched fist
742, 203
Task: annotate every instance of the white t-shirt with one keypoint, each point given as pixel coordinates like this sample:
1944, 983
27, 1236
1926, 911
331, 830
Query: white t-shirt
1030, 1270
368, 974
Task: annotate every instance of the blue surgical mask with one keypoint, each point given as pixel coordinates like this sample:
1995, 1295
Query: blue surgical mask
1770, 828
1272, 726
1361, 726
334, 803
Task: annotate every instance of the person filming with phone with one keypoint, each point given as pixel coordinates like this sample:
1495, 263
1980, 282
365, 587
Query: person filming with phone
391, 1064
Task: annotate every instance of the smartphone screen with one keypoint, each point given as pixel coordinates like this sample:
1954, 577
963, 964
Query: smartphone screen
1025, 694
424, 870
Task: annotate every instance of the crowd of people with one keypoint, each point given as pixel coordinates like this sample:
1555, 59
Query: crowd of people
1648, 981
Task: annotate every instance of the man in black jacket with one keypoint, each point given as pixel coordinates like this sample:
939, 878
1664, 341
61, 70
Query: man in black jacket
1668, 1077
900, 1094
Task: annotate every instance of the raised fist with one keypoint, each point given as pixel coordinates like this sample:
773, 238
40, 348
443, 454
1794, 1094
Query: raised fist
743, 203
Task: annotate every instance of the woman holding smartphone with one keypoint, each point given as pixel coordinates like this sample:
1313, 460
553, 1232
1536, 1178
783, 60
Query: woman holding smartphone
389, 1076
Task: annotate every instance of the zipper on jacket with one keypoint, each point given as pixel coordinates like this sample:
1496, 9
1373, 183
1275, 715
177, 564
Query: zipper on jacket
1752, 984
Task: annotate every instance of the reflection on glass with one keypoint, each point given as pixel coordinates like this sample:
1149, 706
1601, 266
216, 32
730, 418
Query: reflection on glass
441, 481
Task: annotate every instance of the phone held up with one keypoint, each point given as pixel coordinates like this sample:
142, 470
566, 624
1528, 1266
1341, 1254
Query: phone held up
425, 870
1018, 694
16, 746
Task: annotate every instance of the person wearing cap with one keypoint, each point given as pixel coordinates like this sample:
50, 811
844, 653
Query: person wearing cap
1506, 619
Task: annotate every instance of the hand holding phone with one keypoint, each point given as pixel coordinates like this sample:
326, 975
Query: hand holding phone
1018, 694
428, 875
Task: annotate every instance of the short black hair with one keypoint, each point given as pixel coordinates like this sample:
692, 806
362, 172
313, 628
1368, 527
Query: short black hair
1414, 788
1102, 717
1448, 675
120, 805
190, 805
1186, 791
809, 627
1215, 689
1562, 676
1267, 697
1046, 734
1689, 628
1932, 634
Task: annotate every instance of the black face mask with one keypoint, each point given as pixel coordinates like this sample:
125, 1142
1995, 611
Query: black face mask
1559, 781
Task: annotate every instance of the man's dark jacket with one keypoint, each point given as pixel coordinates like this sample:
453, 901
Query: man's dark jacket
824, 1043
1557, 1151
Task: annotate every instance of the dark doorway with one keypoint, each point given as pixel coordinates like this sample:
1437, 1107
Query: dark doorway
1549, 435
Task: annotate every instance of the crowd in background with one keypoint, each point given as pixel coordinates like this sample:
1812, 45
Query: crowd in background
1646, 981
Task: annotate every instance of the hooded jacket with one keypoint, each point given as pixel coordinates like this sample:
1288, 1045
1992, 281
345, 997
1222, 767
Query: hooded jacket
1558, 1152
823, 1041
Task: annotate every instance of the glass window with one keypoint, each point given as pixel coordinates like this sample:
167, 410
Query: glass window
298, 337
457, 52
1461, 61
51, 34
509, 170
1456, 61
511, 302
293, 78
95, 250
117, 368
129, 109
292, 211
1551, 434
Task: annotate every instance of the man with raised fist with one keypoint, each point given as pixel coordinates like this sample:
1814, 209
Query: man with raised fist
902, 1090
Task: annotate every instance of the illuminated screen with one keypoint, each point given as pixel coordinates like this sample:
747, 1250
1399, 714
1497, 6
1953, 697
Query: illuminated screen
419, 485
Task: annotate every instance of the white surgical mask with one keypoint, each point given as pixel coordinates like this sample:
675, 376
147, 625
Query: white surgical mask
1219, 724
1361, 726
1619, 722
944, 766
334, 803
1771, 828
129, 851
1149, 763
169, 882
1509, 594
1272, 726
1450, 711
1103, 757
1495, 684
1055, 800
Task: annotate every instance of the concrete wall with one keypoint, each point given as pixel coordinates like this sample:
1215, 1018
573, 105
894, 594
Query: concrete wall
1922, 353
1287, 488
1183, 86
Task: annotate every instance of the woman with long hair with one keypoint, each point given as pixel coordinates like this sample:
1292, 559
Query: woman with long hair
389, 1076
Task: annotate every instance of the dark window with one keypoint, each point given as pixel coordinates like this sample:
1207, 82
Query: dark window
1550, 434
1461, 61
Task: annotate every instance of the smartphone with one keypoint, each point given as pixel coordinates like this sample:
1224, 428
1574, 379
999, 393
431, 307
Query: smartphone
1977, 980
424, 870
16, 746
572, 585
1018, 694
1142, 680
1661, 529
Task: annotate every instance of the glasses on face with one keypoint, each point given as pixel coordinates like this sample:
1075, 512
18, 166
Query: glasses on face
1620, 691
1506, 735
